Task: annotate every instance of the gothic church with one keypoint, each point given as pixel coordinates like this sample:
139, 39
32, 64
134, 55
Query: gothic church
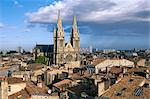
66, 52
61, 52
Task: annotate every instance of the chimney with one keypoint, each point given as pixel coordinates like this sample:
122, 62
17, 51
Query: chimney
25, 77
147, 74
39, 84
101, 88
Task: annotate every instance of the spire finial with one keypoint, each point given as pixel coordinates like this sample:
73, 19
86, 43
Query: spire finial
59, 23
58, 14
74, 21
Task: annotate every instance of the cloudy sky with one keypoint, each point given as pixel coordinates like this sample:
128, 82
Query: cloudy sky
104, 24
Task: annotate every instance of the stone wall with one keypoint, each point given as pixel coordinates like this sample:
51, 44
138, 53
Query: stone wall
72, 65
16, 88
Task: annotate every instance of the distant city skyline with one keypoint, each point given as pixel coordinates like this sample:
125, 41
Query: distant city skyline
104, 24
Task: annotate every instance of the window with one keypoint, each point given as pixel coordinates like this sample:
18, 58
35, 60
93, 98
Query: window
77, 45
9, 88
61, 57
76, 57
61, 43
69, 57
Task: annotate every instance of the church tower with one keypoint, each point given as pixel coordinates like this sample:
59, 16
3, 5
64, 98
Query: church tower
58, 42
75, 38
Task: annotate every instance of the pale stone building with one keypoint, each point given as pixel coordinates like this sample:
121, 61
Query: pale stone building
51, 75
32, 72
66, 52
141, 62
3, 88
17, 88
108, 63
60, 52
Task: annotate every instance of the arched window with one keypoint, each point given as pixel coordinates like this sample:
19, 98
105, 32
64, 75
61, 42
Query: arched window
77, 57
69, 57
61, 43
61, 57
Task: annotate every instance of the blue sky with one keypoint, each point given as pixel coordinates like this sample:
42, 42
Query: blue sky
120, 24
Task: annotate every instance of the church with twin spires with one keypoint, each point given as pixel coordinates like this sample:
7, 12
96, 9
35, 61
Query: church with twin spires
61, 52
66, 52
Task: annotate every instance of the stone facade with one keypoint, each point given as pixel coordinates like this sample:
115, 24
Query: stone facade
3, 88
16, 87
51, 75
66, 52
141, 62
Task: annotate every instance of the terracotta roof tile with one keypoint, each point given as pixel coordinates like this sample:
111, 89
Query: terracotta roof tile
13, 80
130, 83
23, 94
115, 70
63, 82
98, 60
35, 66
32, 88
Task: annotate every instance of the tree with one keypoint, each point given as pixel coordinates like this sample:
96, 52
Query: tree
41, 59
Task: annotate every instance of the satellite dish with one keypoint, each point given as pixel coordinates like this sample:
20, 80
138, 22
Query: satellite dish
49, 91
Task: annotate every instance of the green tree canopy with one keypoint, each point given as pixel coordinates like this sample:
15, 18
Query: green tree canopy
41, 59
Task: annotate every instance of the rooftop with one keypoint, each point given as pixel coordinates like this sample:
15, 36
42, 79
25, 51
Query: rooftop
63, 82
98, 60
126, 88
35, 66
143, 69
45, 48
32, 88
86, 87
14, 80
116, 70
20, 95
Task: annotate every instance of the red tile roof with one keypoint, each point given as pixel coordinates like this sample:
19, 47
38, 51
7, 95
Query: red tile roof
32, 88
98, 60
116, 70
63, 82
14, 80
23, 94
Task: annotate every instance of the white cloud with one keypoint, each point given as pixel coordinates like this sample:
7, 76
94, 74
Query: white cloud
3, 36
1, 25
27, 30
91, 10
6, 26
16, 3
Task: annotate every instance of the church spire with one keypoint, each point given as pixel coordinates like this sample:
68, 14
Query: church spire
74, 21
59, 27
59, 22
75, 35
59, 16
74, 28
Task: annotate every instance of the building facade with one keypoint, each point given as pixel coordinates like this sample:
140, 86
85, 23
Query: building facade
61, 52
66, 52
